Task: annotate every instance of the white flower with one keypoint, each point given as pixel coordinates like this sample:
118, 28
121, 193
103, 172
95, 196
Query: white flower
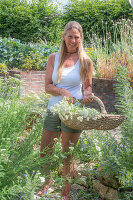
88, 118
85, 113
71, 148
80, 118
66, 111
66, 117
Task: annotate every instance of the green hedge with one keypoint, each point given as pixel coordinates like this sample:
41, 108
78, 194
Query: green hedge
29, 21
96, 15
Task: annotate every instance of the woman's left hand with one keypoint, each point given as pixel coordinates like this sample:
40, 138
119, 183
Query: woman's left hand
86, 97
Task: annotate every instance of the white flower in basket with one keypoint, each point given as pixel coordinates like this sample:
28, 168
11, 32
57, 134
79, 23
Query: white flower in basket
80, 117
67, 111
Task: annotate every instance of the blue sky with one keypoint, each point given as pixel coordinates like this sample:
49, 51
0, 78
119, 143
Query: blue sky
61, 2
64, 2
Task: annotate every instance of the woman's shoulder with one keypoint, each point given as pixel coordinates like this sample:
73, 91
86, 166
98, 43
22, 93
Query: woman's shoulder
86, 58
52, 56
51, 59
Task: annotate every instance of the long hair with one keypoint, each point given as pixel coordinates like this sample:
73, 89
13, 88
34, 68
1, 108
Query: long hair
85, 61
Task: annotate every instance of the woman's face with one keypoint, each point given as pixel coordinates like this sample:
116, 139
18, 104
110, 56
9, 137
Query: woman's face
72, 39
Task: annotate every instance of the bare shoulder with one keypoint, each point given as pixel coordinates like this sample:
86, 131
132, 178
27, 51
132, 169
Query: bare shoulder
51, 59
52, 55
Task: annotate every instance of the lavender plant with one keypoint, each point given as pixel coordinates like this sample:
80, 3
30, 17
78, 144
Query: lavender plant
125, 106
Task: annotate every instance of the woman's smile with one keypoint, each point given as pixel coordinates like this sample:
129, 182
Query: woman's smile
72, 39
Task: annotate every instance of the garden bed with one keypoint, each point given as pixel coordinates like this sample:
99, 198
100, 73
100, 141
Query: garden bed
103, 88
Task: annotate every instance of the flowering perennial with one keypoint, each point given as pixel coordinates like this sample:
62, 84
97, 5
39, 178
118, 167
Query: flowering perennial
3, 68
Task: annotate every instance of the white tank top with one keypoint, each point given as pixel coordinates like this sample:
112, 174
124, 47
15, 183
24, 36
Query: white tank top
70, 80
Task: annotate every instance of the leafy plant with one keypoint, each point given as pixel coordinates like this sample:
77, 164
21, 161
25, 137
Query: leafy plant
67, 110
108, 151
32, 61
125, 106
18, 55
17, 143
9, 86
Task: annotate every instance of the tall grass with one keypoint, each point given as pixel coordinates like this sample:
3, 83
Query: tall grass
110, 51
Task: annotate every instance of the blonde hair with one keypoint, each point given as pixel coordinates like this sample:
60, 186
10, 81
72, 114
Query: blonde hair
85, 61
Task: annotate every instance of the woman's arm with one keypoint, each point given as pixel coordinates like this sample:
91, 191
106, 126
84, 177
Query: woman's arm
87, 86
49, 87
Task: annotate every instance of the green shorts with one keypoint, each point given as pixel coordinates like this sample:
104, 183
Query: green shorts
53, 123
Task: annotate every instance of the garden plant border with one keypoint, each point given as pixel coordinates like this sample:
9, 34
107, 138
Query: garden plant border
35, 81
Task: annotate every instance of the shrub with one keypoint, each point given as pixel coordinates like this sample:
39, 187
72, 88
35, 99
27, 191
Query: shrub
9, 86
112, 151
20, 162
39, 20
32, 61
18, 55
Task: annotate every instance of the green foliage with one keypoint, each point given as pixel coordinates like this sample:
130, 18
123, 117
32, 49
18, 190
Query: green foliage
20, 161
9, 87
32, 61
125, 106
29, 21
23, 189
17, 152
18, 55
113, 49
43, 20
3, 68
93, 15
112, 151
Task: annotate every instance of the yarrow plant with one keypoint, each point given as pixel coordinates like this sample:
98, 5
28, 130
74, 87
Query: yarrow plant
67, 110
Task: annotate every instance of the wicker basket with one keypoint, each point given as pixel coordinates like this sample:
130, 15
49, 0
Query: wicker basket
105, 122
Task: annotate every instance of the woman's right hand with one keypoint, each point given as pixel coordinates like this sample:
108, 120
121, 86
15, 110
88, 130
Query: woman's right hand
65, 93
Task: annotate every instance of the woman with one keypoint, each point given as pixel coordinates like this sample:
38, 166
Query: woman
68, 74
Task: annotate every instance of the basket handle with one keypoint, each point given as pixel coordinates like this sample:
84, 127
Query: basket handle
100, 103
